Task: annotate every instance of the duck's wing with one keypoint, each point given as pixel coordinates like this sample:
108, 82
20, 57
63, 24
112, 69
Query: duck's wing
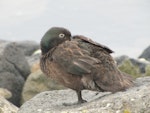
85, 39
78, 62
73, 59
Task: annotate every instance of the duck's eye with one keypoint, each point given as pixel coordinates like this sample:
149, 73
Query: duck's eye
61, 35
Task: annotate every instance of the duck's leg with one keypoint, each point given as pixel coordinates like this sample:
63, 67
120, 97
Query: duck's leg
80, 99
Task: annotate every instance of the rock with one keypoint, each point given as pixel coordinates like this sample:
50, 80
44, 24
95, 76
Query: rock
134, 100
14, 69
146, 54
7, 107
147, 73
34, 58
120, 59
35, 67
141, 63
28, 47
15, 56
130, 69
37, 82
5, 93
14, 84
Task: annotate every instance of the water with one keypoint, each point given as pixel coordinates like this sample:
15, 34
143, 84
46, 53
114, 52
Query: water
122, 25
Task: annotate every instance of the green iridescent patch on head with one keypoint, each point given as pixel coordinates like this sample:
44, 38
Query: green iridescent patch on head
53, 37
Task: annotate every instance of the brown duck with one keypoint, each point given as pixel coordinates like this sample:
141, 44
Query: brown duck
79, 63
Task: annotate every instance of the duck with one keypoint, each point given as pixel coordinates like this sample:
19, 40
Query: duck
79, 63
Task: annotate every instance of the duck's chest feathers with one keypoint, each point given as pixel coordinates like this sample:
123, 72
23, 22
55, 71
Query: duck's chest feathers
53, 70
50, 68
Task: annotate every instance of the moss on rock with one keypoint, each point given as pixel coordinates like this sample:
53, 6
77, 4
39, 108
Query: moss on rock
147, 70
130, 69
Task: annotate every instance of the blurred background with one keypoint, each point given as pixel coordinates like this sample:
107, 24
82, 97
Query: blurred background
122, 25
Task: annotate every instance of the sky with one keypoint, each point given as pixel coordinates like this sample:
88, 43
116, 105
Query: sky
122, 25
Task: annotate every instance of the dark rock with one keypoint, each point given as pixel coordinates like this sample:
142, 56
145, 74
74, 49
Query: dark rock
146, 54
134, 100
28, 47
15, 56
14, 84
14, 69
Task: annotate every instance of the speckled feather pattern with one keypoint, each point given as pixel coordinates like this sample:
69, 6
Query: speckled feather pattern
79, 65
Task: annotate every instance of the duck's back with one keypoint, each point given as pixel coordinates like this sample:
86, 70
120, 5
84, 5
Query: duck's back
106, 75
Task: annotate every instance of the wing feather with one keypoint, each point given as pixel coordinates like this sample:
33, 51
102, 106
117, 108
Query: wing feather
93, 42
73, 59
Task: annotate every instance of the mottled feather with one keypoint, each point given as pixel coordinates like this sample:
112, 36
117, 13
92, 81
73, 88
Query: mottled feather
80, 63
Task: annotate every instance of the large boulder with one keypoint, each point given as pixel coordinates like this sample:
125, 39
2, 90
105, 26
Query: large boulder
146, 54
28, 47
13, 55
130, 69
134, 100
7, 107
14, 69
38, 82
120, 59
141, 63
34, 58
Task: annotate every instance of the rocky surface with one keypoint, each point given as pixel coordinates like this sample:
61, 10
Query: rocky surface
147, 71
37, 82
34, 58
146, 54
14, 69
13, 55
7, 107
19, 59
129, 68
134, 100
140, 63
119, 60
28, 47
5, 93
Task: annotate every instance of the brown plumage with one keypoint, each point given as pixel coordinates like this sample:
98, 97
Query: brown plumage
80, 63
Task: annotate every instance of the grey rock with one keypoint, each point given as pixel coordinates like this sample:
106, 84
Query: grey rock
120, 59
34, 58
28, 47
14, 69
15, 56
14, 84
134, 100
146, 54
140, 64
7, 107
38, 82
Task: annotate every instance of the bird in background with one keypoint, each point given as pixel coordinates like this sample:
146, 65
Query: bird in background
79, 63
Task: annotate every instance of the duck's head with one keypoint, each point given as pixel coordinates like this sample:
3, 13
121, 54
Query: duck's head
53, 37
